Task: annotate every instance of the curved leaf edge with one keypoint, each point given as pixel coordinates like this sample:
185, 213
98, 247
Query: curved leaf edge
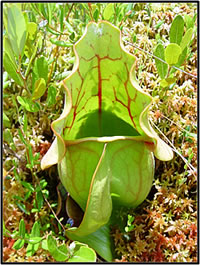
58, 149
99, 240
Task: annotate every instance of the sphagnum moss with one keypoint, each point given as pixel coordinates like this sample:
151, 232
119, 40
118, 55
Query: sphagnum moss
165, 225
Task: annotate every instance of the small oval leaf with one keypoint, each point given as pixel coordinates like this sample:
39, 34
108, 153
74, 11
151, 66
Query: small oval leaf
6, 121
59, 253
176, 30
182, 57
172, 53
61, 43
161, 67
19, 244
9, 50
186, 38
189, 21
40, 68
39, 89
28, 104
11, 69
108, 11
44, 244
51, 97
83, 254
35, 240
22, 229
31, 28
167, 82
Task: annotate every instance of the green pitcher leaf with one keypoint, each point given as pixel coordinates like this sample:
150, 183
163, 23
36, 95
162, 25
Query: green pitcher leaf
98, 204
176, 30
172, 53
99, 241
130, 152
161, 67
104, 83
104, 142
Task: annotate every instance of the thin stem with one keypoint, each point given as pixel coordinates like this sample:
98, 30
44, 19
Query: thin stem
90, 11
49, 205
67, 17
24, 80
20, 62
61, 33
52, 66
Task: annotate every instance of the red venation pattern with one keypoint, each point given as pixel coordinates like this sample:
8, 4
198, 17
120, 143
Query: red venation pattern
80, 95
